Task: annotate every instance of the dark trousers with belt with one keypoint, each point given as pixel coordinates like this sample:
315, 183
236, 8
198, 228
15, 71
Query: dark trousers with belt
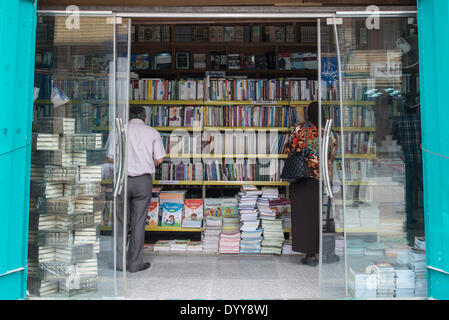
139, 198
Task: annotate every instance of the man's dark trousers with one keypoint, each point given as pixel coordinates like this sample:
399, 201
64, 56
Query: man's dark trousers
139, 198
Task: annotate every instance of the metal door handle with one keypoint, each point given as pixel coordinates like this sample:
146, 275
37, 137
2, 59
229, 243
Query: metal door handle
326, 139
119, 137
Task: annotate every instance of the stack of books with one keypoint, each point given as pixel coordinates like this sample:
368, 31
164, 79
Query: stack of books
273, 236
374, 249
195, 246
178, 245
355, 247
267, 204
229, 242
211, 236
405, 281
386, 282
287, 247
362, 284
249, 219
162, 246
417, 262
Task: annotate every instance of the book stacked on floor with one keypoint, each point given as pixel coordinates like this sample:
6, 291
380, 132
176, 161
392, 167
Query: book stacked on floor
355, 247
266, 204
229, 242
417, 262
273, 236
405, 281
178, 245
65, 208
162, 245
386, 282
249, 220
194, 246
362, 282
211, 235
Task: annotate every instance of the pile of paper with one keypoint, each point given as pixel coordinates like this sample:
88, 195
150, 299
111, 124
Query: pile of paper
417, 262
229, 242
405, 281
386, 282
162, 246
211, 233
355, 247
249, 219
273, 236
179, 245
374, 249
362, 283
195, 246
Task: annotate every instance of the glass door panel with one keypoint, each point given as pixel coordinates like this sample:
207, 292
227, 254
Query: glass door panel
331, 259
381, 217
74, 159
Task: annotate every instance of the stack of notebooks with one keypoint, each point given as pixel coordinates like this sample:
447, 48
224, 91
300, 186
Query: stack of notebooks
386, 282
195, 246
162, 246
179, 245
362, 283
229, 242
249, 218
374, 249
211, 233
417, 262
405, 281
273, 236
266, 204
355, 247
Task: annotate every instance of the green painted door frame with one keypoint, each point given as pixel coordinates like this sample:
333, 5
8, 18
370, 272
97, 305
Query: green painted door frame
433, 24
17, 47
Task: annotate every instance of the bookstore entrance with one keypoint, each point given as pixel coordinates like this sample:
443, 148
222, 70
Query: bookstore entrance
226, 95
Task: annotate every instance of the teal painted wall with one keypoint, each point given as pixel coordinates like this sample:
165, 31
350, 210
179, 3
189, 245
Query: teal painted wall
433, 24
17, 34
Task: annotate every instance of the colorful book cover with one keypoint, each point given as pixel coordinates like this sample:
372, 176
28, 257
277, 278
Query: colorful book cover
171, 214
212, 207
193, 209
140, 61
229, 207
153, 213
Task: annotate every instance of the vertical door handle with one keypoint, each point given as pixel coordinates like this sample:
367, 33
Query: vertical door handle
325, 148
119, 139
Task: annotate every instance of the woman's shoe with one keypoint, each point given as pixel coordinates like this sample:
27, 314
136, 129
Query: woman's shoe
310, 261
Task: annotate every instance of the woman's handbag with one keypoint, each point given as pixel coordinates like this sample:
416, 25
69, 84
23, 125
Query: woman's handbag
295, 167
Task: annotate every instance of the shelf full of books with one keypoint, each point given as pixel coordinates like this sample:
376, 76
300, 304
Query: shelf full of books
253, 221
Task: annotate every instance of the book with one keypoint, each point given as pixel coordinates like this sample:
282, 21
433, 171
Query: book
250, 62
193, 209
212, 207
229, 207
182, 60
153, 213
140, 61
218, 60
256, 34
234, 61
199, 61
171, 214
162, 60
229, 34
284, 61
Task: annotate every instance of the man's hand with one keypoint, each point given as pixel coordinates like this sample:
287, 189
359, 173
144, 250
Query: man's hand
158, 161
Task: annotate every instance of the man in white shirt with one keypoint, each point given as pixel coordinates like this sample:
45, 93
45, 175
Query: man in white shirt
145, 152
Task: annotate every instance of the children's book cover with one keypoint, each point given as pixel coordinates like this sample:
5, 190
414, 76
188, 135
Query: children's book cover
229, 207
193, 209
171, 214
153, 213
212, 207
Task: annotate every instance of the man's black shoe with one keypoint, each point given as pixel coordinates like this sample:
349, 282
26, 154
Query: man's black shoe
145, 266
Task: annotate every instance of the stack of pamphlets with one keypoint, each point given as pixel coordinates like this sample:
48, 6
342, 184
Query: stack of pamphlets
273, 236
386, 282
179, 245
420, 243
417, 262
195, 246
355, 247
374, 249
211, 233
162, 246
362, 283
229, 242
405, 281
249, 219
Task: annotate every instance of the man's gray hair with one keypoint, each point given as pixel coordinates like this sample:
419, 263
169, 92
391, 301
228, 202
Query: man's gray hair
137, 112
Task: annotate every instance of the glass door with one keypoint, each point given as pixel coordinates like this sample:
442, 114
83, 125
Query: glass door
78, 168
377, 203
